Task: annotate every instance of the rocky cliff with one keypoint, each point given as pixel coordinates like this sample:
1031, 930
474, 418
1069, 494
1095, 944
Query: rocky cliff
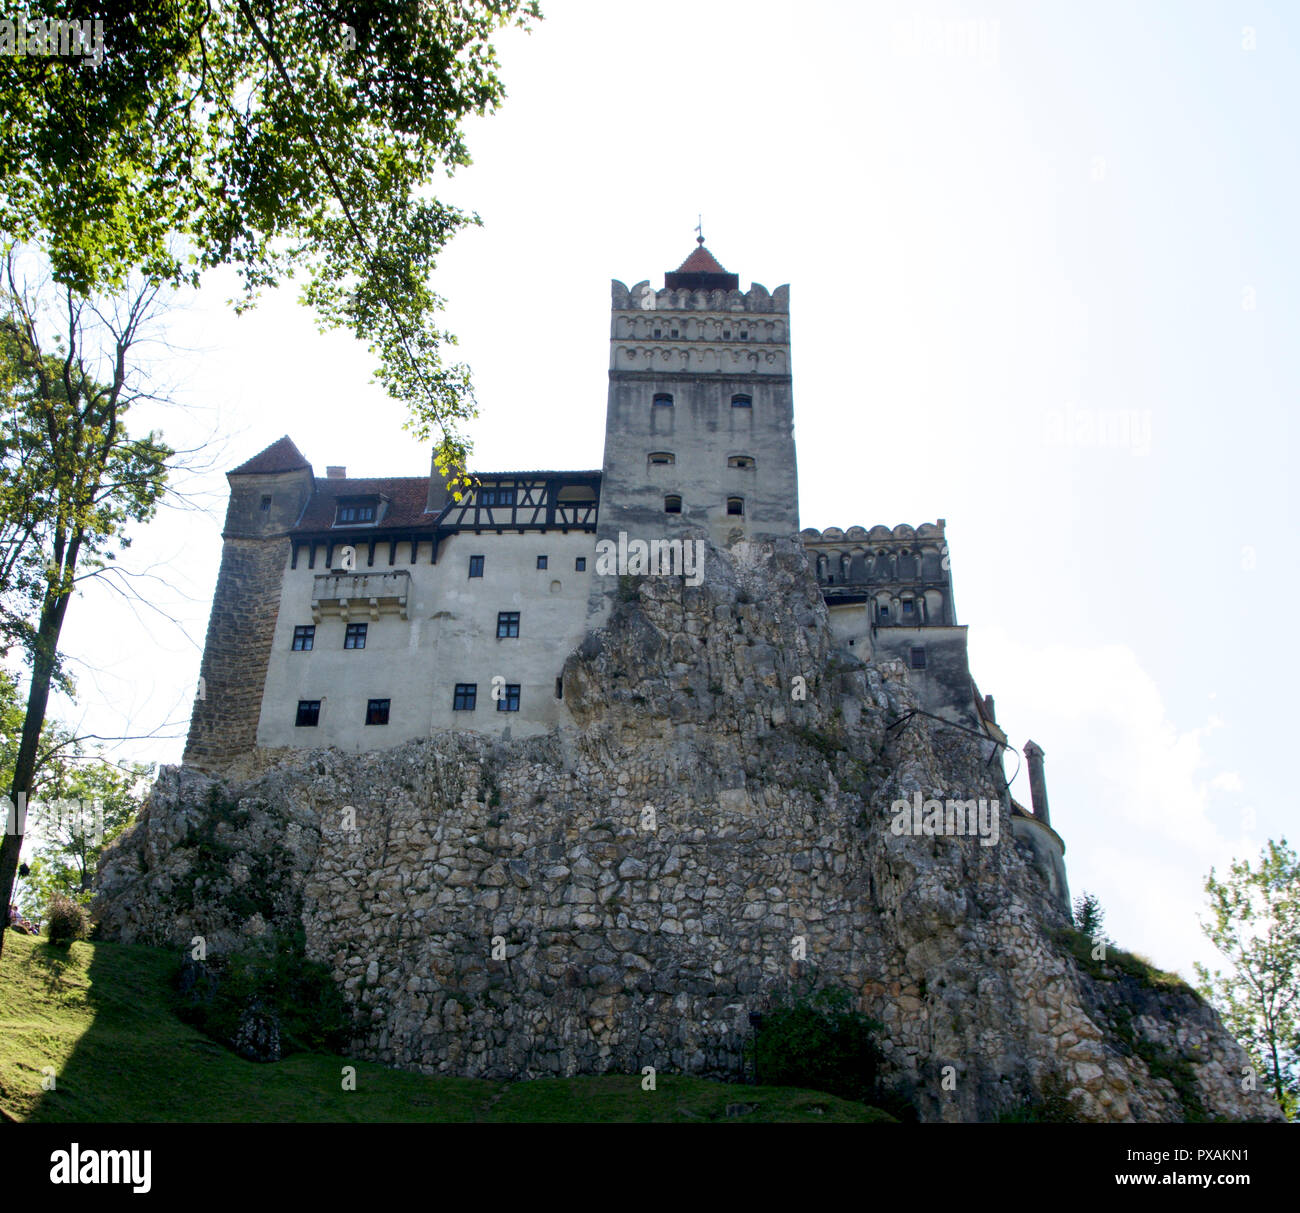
624, 892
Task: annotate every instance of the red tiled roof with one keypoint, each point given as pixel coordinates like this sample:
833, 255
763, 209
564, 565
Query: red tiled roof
280, 456
407, 497
701, 261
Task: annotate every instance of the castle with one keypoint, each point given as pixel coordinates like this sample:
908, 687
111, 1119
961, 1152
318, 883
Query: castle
360, 613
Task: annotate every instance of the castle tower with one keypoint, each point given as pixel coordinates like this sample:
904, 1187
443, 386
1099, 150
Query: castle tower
699, 428
267, 497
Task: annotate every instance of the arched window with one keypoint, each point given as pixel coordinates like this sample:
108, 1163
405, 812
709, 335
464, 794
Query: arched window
846, 564
672, 505
736, 506
821, 568
742, 402
661, 458
664, 399
740, 461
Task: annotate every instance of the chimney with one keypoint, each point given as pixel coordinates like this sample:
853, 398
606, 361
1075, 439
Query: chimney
1037, 782
336, 473
988, 707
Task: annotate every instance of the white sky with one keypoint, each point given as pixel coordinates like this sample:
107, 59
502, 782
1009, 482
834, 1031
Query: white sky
987, 246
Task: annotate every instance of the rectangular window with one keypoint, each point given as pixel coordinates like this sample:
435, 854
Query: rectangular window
303, 638
541, 562
496, 496
509, 701
308, 713
507, 624
266, 503
476, 566
559, 688
909, 607
918, 658
580, 565
377, 711
355, 636
466, 699
356, 513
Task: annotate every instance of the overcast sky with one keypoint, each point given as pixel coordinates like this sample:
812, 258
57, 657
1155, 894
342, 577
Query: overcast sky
1043, 285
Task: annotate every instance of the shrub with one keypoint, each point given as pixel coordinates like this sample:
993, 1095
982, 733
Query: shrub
819, 1042
67, 920
274, 980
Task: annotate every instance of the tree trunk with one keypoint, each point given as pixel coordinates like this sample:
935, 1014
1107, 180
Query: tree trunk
38, 697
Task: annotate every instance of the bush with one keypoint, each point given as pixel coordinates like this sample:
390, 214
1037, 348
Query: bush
273, 983
66, 920
819, 1042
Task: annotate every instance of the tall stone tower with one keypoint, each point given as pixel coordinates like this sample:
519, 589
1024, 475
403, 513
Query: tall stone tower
699, 429
267, 496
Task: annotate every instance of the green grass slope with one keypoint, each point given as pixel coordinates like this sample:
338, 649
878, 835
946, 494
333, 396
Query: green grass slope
98, 1018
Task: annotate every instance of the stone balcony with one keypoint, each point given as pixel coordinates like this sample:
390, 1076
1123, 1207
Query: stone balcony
360, 595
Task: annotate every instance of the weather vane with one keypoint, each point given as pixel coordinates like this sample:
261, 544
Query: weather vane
699, 227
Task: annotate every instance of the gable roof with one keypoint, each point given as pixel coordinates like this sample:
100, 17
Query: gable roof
280, 456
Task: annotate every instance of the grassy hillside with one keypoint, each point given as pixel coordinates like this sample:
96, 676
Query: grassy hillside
99, 1016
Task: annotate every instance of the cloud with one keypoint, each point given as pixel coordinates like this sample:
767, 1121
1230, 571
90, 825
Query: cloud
1131, 792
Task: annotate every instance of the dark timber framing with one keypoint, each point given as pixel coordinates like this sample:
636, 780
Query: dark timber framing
537, 507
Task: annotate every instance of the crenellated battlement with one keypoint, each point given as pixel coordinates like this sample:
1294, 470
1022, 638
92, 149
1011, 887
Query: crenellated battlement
643, 297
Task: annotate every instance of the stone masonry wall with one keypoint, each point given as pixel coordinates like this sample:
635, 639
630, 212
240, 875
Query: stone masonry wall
623, 893
223, 726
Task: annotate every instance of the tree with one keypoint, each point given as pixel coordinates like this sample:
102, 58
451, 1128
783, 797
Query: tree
1255, 924
1089, 916
273, 137
85, 479
87, 802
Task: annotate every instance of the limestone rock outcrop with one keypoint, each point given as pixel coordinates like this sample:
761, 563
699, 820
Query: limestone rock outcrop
713, 830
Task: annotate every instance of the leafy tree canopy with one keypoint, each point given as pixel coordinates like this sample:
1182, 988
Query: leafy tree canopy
270, 136
1255, 924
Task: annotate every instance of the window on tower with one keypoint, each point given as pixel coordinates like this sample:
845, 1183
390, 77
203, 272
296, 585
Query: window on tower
740, 461
742, 402
663, 399
736, 506
662, 458
672, 505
